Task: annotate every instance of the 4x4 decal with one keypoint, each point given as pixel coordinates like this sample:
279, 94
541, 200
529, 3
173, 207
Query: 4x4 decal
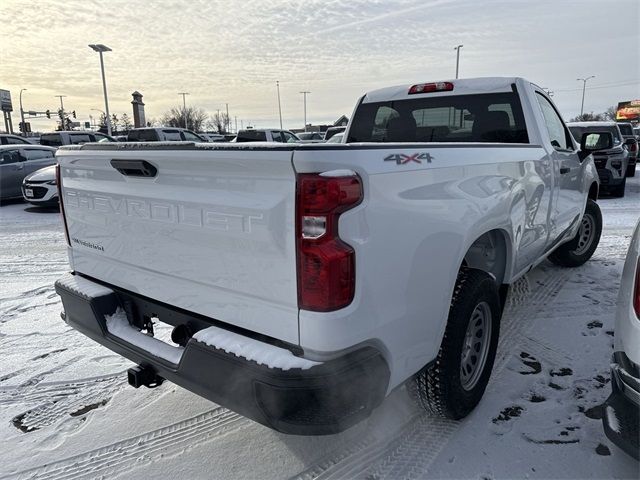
402, 159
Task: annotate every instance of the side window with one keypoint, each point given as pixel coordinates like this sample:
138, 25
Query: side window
16, 141
277, 136
101, 138
9, 156
36, 154
191, 136
172, 135
53, 140
289, 138
79, 138
555, 126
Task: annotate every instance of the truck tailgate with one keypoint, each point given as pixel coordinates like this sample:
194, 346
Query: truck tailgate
212, 232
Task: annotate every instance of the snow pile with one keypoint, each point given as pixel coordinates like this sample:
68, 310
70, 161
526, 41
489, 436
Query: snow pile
250, 349
119, 326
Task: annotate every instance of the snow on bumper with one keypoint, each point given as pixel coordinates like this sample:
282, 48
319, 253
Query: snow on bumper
264, 382
621, 411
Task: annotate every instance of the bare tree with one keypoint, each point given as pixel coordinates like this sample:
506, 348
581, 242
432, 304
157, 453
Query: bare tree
193, 117
114, 124
219, 122
610, 113
125, 123
589, 117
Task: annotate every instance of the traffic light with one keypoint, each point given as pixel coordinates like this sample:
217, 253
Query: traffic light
74, 114
48, 114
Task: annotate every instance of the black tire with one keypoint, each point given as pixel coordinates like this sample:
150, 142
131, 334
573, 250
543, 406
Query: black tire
574, 253
631, 171
439, 386
618, 190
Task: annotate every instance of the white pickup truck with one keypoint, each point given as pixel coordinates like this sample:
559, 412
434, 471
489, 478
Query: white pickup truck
304, 283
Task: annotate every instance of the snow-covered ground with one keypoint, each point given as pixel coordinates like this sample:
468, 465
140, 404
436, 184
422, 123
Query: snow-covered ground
67, 412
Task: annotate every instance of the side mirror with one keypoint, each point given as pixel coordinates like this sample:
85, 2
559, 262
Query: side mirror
595, 141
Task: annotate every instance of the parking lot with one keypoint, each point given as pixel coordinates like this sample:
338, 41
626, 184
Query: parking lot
67, 411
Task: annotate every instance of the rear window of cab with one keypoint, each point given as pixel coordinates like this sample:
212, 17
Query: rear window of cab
491, 117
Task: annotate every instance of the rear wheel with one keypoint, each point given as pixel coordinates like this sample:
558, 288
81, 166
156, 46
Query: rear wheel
580, 249
618, 190
454, 383
631, 170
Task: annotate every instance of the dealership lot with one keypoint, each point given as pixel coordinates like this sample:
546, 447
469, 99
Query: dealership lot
66, 409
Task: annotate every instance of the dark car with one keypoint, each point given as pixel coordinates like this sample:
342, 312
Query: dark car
631, 142
612, 162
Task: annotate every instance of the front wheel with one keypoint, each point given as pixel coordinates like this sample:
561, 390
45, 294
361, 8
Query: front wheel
580, 249
454, 383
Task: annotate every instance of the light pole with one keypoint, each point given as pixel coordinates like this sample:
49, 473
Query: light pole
24, 133
62, 126
279, 107
304, 95
101, 49
184, 106
457, 49
98, 110
584, 87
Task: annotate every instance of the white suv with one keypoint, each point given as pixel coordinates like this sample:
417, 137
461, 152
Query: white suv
164, 134
73, 137
266, 135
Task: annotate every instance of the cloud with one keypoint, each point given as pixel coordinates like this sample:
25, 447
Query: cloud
232, 52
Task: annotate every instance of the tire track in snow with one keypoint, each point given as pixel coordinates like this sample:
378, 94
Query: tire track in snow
419, 441
123, 456
70, 400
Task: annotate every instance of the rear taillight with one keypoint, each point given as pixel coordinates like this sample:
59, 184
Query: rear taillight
326, 264
636, 291
431, 87
64, 218
633, 147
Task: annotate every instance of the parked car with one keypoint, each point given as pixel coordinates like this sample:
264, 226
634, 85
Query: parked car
612, 163
304, 287
331, 131
630, 140
9, 139
337, 138
620, 414
164, 134
213, 137
41, 188
266, 135
73, 137
310, 137
18, 161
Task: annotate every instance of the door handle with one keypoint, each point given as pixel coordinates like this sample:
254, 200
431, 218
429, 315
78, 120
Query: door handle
134, 168
564, 170
19, 167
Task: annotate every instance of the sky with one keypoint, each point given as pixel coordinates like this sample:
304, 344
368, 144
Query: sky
233, 52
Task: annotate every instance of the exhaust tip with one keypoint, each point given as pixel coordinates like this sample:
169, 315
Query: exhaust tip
181, 334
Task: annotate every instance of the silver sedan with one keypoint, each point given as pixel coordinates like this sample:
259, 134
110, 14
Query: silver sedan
18, 161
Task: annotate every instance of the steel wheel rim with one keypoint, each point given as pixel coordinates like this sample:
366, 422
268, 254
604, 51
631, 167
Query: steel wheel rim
475, 347
585, 234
